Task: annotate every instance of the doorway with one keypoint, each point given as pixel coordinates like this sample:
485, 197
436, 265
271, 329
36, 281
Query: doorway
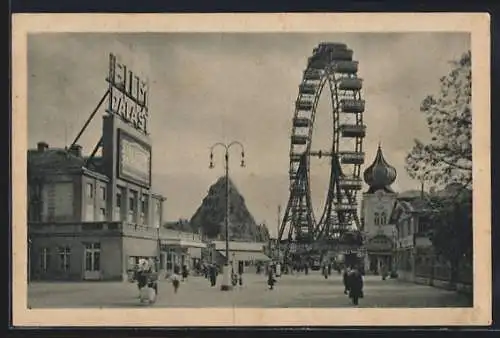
92, 261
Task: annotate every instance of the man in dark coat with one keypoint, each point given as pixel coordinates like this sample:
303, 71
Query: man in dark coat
241, 270
355, 281
345, 279
185, 272
212, 272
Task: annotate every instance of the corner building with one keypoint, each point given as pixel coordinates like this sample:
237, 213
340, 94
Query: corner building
93, 218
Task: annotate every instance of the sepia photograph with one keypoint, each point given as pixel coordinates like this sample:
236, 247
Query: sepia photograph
246, 170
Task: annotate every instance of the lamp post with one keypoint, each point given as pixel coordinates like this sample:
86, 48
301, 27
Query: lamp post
226, 272
278, 234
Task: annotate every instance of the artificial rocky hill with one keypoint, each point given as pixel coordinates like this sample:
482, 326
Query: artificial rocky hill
211, 213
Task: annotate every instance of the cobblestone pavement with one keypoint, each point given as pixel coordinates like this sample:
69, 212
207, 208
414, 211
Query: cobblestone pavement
298, 290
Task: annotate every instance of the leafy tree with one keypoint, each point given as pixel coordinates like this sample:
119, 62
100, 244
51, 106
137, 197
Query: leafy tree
447, 157
452, 228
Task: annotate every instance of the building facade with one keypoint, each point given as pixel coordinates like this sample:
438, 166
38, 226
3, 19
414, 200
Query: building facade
93, 217
376, 208
411, 216
249, 253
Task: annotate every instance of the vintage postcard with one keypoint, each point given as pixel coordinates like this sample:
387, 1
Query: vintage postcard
251, 170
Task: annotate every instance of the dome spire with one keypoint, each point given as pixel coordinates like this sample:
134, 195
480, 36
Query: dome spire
380, 174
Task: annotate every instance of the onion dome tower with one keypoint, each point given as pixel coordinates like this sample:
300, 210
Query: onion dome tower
380, 174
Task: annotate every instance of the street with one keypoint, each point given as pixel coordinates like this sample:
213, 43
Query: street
291, 291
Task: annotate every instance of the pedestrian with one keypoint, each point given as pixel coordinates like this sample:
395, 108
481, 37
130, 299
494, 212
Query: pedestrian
140, 274
212, 272
175, 280
205, 270
325, 270
345, 279
383, 271
355, 286
270, 279
147, 281
241, 270
185, 272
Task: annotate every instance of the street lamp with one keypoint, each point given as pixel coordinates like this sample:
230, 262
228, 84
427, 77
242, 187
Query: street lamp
226, 273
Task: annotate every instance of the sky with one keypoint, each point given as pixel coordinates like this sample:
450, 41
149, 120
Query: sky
221, 87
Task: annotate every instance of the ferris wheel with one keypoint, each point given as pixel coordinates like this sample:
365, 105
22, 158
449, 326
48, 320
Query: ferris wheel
330, 67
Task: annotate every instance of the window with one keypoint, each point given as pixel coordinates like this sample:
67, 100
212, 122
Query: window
377, 219
119, 199
64, 258
102, 214
118, 205
143, 204
131, 203
157, 214
132, 206
92, 256
103, 193
45, 259
90, 190
383, 219
144, 209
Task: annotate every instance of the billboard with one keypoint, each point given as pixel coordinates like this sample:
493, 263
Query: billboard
128, 95
134, 160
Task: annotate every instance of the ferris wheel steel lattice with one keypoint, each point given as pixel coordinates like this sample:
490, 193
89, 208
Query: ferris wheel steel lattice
332, 66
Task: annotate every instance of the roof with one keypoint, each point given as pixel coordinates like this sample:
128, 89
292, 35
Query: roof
245, 255
409, 206
54, 158
57, 161
380, 174
239, 246
410, 194
181, 234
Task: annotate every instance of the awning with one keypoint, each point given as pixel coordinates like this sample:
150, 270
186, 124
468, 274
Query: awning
183, 243
245, 255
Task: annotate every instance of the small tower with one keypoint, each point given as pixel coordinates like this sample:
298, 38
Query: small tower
380, 174
378, 202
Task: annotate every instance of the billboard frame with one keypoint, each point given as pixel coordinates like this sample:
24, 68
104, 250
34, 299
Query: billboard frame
119, 164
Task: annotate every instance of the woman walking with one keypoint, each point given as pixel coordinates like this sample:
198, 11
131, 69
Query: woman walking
270, 278
175, 279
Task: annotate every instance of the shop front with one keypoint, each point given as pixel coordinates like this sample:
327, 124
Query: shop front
181, 249
379, 255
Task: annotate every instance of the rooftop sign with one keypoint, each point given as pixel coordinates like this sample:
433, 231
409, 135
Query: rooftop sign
128, 95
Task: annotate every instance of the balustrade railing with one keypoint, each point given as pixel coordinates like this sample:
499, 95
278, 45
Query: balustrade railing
114, 227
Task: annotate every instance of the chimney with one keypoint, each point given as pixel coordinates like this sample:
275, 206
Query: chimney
76, 150
42, 146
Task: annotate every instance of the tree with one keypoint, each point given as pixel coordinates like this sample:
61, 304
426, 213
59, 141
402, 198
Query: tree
447, 157
452, 228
